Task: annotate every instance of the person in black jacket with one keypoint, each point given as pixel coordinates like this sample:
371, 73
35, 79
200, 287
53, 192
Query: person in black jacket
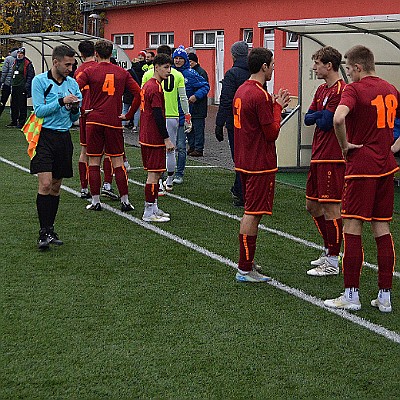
137, 65
233, 78
127, 99
199, 113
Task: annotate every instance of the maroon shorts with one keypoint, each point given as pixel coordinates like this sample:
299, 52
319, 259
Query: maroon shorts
368, 198
325, 182
104, 138
153, 158
82, 130
258, 192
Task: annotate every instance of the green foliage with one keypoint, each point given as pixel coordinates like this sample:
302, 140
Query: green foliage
31, 16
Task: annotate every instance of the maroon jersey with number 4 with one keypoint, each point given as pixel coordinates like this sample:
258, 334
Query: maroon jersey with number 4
152, 96
373, 105
107, 83
253, 107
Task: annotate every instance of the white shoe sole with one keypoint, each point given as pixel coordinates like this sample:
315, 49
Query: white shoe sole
380, 306
317, 272
334, 303
155, 218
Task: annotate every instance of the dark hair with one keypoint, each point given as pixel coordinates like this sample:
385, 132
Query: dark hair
161, 59
257, 57
361, 55
59, 52
328, 54
104, 48
152, 53
86, 48
164, 49
13, 49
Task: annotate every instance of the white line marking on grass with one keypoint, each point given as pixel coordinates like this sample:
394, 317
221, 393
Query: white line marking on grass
378, 329
261, 226
202, 166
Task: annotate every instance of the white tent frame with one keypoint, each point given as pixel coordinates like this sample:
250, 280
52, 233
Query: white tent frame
381, 33
39, 47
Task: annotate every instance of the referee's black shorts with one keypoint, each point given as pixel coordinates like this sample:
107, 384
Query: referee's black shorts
53, 154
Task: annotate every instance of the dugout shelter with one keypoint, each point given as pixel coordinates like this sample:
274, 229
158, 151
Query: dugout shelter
380, 33
39, 47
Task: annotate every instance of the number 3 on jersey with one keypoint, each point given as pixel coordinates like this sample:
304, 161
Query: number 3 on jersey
108, 85
236, 117
386, 110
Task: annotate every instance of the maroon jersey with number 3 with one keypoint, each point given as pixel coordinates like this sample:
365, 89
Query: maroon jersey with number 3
252, 108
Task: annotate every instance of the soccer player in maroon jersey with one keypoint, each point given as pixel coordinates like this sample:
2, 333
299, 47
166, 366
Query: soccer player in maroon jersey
86, 48
153, 137
364, 122
326, 174
257, 116
104, 131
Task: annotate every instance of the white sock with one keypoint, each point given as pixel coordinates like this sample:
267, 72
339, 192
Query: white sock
170, 178
384, 295
351, 294
171, 161
148, 209
95, 199
124, 199
160, 184
107, 186
333, 260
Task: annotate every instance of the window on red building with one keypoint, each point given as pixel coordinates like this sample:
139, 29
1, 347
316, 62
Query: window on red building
158, 38
204, 38
292, 40
124, 40
248, 36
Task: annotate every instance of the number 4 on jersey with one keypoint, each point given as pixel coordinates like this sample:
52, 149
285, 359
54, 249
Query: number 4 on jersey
108, 85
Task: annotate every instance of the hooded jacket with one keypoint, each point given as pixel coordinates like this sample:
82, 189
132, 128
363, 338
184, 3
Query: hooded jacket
195, 85
7, 70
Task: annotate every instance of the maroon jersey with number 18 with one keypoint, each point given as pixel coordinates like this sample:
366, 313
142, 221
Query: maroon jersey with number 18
373, 105
107, 83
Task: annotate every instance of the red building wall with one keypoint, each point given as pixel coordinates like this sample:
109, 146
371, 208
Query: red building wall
232, 17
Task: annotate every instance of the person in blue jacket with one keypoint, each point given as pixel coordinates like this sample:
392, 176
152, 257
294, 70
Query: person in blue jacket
199, 113
197, 89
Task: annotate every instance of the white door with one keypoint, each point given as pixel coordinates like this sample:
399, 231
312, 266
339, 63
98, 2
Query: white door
219, 64
269, 43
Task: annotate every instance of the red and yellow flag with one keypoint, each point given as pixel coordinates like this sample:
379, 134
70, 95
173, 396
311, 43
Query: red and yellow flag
31, 130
